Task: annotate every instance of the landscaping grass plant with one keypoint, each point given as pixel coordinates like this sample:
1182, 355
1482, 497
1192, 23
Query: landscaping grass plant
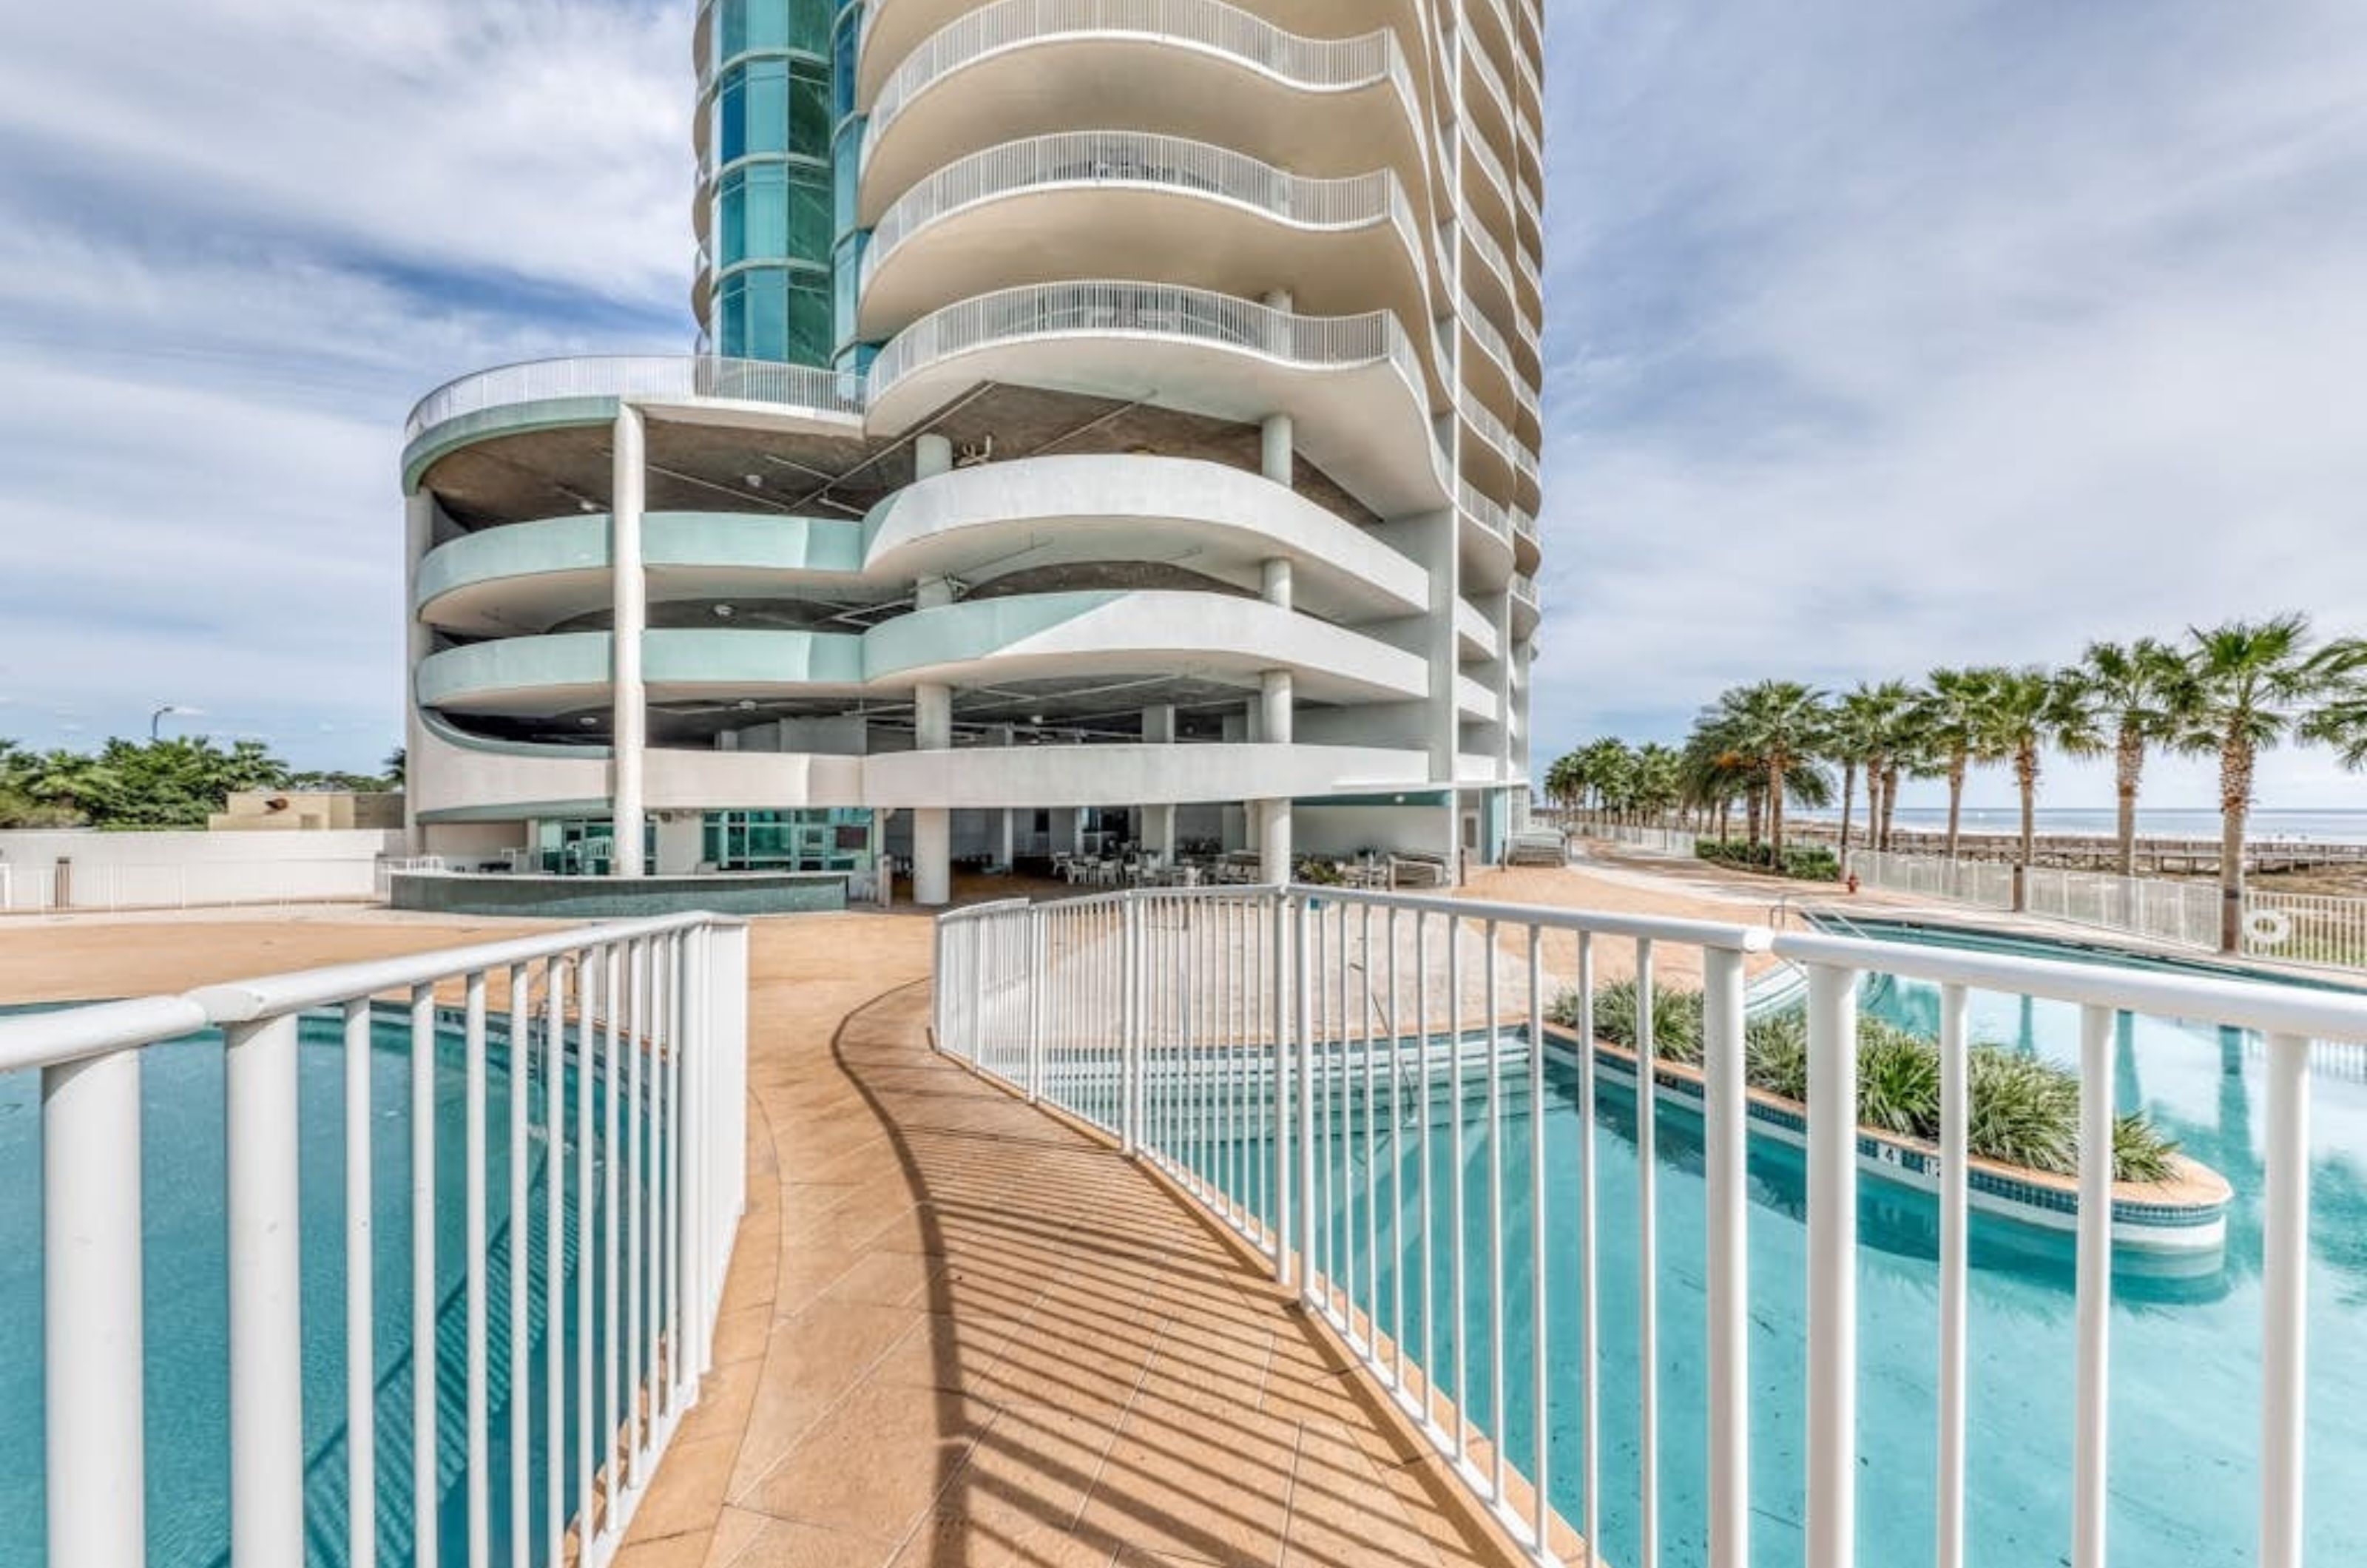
2024, 1112
1801, 862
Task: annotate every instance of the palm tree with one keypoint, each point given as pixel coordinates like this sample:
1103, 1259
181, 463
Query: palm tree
1566, 779
2023, 713
1657, 780
1861, 735
1952, 713
2340, 720
2254, 683
1779, 726
2137, 692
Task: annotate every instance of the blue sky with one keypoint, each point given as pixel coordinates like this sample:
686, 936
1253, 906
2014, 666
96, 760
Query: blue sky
1880, 335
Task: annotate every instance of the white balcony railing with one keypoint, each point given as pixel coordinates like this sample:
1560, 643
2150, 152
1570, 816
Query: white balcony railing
1141, 160
619, 1054
1208, 25
1261, 1046
1109, 308
658, 377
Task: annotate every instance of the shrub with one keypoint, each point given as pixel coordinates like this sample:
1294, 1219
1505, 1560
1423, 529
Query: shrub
1803, 862
2024, 1112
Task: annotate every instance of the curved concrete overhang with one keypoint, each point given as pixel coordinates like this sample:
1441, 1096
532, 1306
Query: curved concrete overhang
974, 642
458, 777
1039, 636
1347, 250
978, 524
1476, 699
1343, 106
1357, 398
528, 577
1474, 632
1046, 776
1525, 612
892, 30
544, 394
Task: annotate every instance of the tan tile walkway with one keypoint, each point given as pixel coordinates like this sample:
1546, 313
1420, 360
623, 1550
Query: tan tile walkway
961, 1335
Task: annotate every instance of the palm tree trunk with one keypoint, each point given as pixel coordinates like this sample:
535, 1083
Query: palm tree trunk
1775, 812
2129, 771
1889, 802
1848, 793
1956, 765
2235, 805
2025, 769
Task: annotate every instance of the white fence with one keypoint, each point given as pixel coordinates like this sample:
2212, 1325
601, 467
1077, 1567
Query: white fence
2292, 928
1674, 841
1212, 1034
642, 1026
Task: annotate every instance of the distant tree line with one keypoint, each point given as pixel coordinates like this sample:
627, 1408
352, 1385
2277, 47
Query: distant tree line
174, 783
2232, 692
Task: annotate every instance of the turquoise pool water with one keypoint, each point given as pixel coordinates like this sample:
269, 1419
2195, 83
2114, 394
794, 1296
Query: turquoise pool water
186, 1284
2185, 1348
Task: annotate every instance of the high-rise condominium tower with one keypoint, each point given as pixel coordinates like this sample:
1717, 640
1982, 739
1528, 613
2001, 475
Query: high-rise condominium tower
1114, 422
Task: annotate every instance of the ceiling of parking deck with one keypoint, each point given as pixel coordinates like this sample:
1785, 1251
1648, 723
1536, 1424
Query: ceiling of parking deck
709, 468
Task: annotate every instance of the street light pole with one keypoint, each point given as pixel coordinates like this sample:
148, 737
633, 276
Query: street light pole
158, 717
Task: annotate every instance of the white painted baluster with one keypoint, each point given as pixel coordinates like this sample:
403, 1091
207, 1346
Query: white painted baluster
1590, 1401
1425, 1250
1956, 1127
361, 1319
1648, 1261
1726, 1130
598, 1001
1304, 985
266, 1337
1496, 1280
1458, 1296
554, 1220
426, 1437
474, 1228
2285, 1306
93, 1331
1832, 1266
1540, 1365
2092, 1289
521, 1236
1397, 1164
633, 1151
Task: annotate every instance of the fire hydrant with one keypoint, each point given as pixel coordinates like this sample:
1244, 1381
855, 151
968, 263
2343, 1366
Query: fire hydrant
1851, 882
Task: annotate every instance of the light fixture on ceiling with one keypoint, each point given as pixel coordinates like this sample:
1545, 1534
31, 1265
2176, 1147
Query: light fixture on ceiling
746, 704
584, 504
724, 612
755, 481
588, 722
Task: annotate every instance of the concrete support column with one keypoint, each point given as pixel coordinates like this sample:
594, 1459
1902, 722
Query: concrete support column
1276, 448
933, 833
682, 842
1159, 725
1158, 831
1274, 721
1010, 837
1274, 705
628, 727
1277, 584
929, 592
932, 455
1273, 819
418, 538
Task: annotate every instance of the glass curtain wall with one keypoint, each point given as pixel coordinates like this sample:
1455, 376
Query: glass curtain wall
768, 92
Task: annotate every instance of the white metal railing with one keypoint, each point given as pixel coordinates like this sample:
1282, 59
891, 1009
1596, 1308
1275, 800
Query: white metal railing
2324, 931
1491, 515
1524, 591
99, 886
1517, 453
1657, 840
1986, 883
622, 1064
655, 377
1127, 158
1329, 64
1257, 1047
2303, 927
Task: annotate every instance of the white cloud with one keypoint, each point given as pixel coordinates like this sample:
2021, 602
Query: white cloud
1917, 335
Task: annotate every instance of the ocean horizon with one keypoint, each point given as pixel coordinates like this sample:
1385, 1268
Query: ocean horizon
2166, 822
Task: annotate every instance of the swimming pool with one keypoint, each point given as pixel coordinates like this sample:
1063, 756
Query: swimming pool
185, 1282
2185, 1413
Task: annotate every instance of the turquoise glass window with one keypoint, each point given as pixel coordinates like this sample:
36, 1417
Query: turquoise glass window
744, 25
772, 106
841, 65
774, 312
773, 210
845, 165
846, 272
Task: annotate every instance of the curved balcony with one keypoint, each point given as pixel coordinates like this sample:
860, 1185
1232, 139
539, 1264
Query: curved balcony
892, 29
1486, 538
1040, 776
1194, 68
1358, 395
1501, 460
980, 523
1135, 204
975, 525
1098, 632
1526, 611
528, 577
587, 391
